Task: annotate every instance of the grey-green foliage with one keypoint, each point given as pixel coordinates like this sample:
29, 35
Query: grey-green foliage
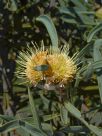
94, 31
13, 123
98, 57
70, 16
77, 14
85, 18
75, 112
46, 20
33, 110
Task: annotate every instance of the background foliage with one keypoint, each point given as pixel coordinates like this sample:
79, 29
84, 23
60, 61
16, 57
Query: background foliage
78, 23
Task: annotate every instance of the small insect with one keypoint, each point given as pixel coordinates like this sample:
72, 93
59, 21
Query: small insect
38, 63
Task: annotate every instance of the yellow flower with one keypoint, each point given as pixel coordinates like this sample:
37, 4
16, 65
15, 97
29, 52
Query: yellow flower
61, 68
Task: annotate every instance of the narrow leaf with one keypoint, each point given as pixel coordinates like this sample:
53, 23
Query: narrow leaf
46, 20
33, 109
78, 4
7, 118
96, 29
69, 20
97, 57
21, 124
84, 51
74, 111
96, 130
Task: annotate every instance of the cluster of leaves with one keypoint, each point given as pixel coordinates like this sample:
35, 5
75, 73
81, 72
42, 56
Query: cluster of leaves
71, 19
57, 23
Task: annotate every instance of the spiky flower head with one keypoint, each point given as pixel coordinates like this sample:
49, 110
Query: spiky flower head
61, 68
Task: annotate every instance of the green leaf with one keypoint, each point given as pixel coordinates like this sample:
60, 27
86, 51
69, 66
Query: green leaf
9, 126
30, 129
76, 113
83, 52
96, 29
68, 11
97, 64
79, 15
88, 73
50, 117
77, 82
19, 88
33, 110
21, 124
13, 6
64, 115
75, 129
97, 57
62, 3
23, 132
84, 18
45, 100
69, 20
78, 4
7, 118
96, 130
48, 128
71, 11
46, 20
